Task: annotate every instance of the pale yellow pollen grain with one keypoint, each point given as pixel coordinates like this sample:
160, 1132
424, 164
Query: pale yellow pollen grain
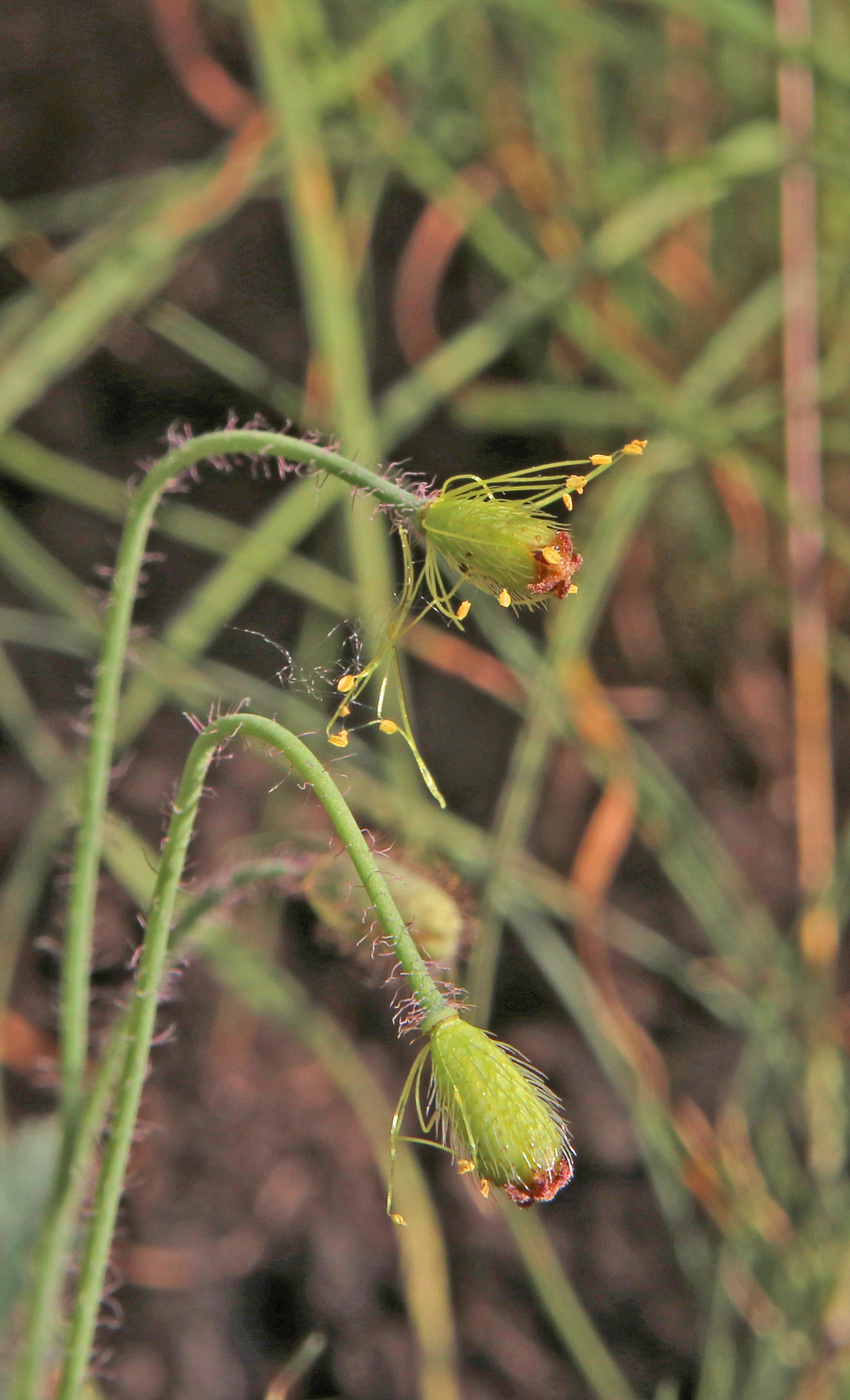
573, 588
635, 447
601, 459
463, 610
346, 683
551, 555
340, 740
504, 598
388, 726
398, 1219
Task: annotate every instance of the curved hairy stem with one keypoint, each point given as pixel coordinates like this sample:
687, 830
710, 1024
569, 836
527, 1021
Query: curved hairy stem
141, 1016
87, 854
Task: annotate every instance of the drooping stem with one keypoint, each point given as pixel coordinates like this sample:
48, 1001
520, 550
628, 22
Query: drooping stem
87, 854
141, 1015
53, 1250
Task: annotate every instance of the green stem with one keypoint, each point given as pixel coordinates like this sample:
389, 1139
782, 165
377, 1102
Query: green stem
57, 1229
56, 1235
83, 893
141, 1015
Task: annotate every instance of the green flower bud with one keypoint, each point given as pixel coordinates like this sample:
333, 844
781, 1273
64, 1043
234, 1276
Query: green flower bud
332, 888
507, 548
500, 1118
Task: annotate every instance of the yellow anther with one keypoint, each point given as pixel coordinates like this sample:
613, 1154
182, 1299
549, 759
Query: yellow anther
504, 598
398, 1219
568, 500
601, 459
346, 710
346, 683
388, 726
576, 483
551, 555
635, 447
463, 610
573, 588
340, 740
464, 1166
484, 1187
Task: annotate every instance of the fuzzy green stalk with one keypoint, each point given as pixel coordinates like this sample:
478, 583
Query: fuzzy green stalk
50, 1260
141, 1015
89, 843
56, 1235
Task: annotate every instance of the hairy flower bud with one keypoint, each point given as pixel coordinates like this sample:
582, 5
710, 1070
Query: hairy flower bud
501, 546
336, 894
500, 1118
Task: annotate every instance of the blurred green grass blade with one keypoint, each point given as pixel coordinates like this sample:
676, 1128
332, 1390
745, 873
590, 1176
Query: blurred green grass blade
686, 845
742, 19
23, 724
273, 993
626, 503
650, 1118
755, 148
227, 359
729, 350
563, 1305
24, 882
27, 1157
42, 630
309, 197
122, 279
19, 312
404, 406
58, 475
215, 602
514, 407
34, 570
70, 211
718, 1362
27, 461
538, 288
404, 25
752, 149
517, 407
607, 35
329, 293
698, 864
625, 506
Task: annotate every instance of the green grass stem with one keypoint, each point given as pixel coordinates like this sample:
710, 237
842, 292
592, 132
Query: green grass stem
563, 1306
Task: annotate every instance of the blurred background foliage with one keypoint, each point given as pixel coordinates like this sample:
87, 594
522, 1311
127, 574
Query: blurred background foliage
464, 236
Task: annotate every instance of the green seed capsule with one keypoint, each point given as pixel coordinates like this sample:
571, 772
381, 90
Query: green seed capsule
501, 1119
